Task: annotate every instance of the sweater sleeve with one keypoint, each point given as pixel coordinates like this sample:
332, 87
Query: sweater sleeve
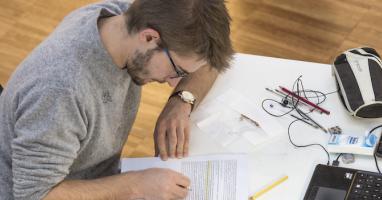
49, 127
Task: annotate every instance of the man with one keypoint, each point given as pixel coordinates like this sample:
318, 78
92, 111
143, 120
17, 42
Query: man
67, 109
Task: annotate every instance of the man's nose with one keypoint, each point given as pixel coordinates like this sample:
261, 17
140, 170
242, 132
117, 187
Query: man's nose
173, 82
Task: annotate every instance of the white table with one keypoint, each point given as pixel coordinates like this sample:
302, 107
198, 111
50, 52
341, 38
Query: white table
250, 74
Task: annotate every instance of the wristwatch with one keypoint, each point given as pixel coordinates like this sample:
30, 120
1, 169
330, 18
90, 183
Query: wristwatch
186, 96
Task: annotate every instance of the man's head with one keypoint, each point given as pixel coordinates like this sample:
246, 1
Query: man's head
177, 37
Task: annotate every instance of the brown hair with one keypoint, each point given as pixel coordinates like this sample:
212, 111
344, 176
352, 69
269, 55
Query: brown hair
187, 26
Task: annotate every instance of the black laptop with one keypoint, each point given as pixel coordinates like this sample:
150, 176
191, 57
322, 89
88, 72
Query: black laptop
337, 183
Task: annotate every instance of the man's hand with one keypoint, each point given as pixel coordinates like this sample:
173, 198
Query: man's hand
161, 184
172, 130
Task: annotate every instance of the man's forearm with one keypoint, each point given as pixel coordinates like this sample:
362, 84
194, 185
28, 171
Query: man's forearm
199, 83
112, 187
152, 183
172, 131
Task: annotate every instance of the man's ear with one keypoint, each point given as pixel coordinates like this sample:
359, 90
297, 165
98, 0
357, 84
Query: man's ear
149, 35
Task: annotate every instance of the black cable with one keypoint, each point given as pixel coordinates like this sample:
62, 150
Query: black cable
376, 163
307, 93
373, 129
307, 145
274, 115
299, 89
336, 162
375, 157
338, 157
298, 83
326, 94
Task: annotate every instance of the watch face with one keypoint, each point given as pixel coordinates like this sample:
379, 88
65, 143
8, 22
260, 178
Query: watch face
187, 96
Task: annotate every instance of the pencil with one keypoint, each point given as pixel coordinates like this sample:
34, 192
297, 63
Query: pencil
270, 187
291, 99
304, 100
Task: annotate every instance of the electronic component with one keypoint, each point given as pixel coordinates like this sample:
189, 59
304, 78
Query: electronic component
343, 143
347, 158
335, 130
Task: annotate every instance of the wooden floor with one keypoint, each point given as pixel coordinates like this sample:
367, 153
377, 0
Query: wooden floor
310, 30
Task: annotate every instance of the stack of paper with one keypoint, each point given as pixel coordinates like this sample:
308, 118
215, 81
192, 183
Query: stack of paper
213, 177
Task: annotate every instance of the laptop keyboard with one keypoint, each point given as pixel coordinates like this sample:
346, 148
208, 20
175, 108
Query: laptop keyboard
366, 185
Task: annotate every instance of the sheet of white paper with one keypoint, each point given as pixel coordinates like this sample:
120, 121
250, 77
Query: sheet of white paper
245, 106
213, 177
226, 125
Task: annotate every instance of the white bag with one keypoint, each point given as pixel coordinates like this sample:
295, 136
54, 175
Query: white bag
358, 73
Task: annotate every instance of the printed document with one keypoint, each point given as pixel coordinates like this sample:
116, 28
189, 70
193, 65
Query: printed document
213, 177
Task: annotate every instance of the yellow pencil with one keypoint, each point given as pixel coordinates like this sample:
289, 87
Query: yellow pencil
270, 187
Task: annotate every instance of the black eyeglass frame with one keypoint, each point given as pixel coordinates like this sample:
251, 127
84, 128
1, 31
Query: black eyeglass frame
180, 73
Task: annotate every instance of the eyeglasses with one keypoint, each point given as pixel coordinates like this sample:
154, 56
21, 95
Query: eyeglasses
180, 73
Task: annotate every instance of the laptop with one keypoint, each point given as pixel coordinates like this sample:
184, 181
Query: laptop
337, 183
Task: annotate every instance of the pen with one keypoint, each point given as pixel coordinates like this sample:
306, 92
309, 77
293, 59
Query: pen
304, 100
270, 187
182, 186
310, 119
294, 116
251, 120
282, 95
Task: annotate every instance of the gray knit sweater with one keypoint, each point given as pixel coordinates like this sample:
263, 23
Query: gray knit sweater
67, 109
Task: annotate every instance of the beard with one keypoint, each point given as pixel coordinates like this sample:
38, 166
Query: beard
137, 68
